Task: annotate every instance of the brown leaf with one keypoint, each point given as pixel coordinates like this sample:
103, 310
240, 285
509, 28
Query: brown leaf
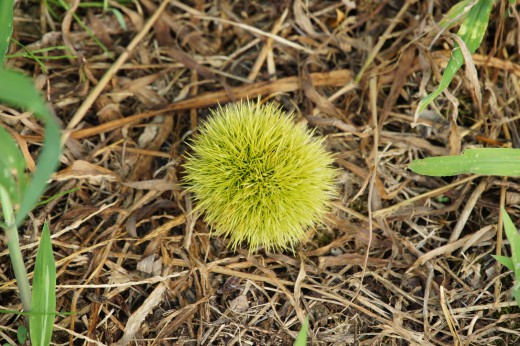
99, 29
160, 27
85, 170
139, 87
154, 184
303, 20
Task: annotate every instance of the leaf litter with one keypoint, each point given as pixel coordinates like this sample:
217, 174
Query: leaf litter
130, 218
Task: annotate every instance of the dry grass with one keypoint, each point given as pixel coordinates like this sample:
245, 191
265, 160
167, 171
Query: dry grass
136, 267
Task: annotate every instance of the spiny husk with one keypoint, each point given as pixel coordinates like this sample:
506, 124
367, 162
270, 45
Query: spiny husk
258, 177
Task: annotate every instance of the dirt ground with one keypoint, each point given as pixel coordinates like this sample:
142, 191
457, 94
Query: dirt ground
136, 267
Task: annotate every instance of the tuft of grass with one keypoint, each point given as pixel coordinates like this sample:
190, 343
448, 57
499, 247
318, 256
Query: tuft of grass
483, 161
19, 192
36, 55
258, 177
471, 32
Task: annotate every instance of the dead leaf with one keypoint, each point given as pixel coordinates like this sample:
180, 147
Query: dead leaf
150, 266
239, 304
154, 184
80, 169
302, 19
150, 132
140, 87
470, 70
99, 29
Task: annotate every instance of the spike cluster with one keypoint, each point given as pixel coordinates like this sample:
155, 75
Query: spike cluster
258, 177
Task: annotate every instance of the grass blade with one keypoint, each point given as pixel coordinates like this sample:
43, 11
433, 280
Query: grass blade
301, 340
6, 28
514, 242
15, 252
485, 161
474, 27
43, 302
12, 168
456, 14
18, 90
505, 261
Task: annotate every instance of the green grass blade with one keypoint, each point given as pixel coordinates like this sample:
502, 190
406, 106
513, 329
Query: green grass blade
12, 168
473, 29
455, 14
514, 242
21, 313
472, 32
43, 302
21, 334
47, 163
30, 55
301, 340
516, 293
486, 161
18, 90
6, 28
505, 261
119, 17
58, 195
15, 252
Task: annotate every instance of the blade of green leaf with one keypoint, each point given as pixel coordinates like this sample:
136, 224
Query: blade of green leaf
119, 17
485, 161
472, 32
6, 28
301, 339
473, 29
456, 13
514, 242
18, 90
12, 167
43, 302
21, 334
505, 261
516, 292
58, 195
15, 252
